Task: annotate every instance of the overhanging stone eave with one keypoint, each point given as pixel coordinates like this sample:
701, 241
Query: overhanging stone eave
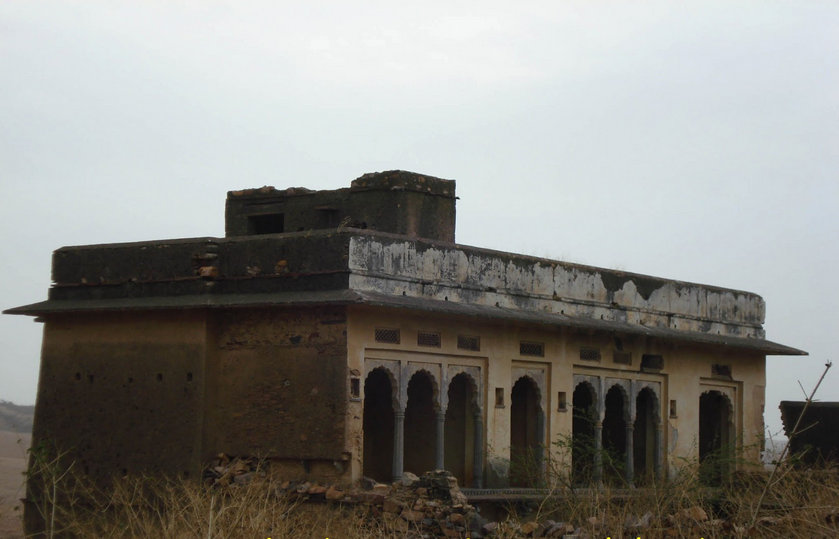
204, 301
348, 296
560, 320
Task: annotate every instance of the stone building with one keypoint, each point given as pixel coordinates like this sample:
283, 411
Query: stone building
344, 333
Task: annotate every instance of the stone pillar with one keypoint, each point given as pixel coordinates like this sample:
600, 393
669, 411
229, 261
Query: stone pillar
478, 458
398, 443
598, 449
658, 452
540, 448
440, 453
630, 452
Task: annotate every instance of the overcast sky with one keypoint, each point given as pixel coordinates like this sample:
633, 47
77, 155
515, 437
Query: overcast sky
697, 141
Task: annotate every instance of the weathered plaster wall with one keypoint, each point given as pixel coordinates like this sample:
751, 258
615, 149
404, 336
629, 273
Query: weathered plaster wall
687, 372
124, 393
690, 375
277, 386
477, 276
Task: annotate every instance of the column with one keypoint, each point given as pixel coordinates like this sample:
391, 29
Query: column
598, 449
630, 452
658, 451
441, 446
398, 443
478, 458
540, 448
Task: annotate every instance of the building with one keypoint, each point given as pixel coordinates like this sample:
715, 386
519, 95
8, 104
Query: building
344, 333
816, 441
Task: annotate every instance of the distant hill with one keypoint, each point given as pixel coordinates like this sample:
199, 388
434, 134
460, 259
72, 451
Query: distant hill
16, 418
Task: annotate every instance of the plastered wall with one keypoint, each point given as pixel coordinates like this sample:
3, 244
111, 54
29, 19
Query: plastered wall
687, 373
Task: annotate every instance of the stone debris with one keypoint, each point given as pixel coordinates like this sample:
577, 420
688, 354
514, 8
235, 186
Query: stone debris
433, 506
225, 470
427, 506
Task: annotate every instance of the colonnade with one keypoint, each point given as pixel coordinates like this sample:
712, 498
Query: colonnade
598, 409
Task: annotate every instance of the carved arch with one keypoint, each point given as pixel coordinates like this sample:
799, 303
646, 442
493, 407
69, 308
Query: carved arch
410, 370
475, 382
393, 376
625, 388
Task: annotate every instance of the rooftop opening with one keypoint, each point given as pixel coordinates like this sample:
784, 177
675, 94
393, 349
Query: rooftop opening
272, 223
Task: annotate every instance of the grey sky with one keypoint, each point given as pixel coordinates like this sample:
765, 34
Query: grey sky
695, 141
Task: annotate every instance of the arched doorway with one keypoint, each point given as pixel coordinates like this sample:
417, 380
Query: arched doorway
583, 448
378, 425
614, 435
420, 424
460, 429
527, 427
644, 436
715, 437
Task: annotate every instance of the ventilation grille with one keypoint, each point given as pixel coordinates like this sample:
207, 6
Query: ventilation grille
623, 358
590, 354
469, 342
652, 362
527, 348
721, 371
428, 338
386, 335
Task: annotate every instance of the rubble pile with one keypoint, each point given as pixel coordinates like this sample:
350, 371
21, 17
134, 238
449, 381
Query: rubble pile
433, 506
427, 506
225, 470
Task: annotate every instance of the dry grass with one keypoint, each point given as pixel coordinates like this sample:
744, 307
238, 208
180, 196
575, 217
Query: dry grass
160, 508
804, 503
800, 502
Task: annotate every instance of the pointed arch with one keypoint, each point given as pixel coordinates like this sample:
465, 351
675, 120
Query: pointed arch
527, 432
380, 392
716, 436
434, 376
583, 447
645, 436
615, 420
462, 416
422, 394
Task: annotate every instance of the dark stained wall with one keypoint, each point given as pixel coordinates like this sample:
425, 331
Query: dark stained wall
123, 393
396, 201
278, 384
817, 439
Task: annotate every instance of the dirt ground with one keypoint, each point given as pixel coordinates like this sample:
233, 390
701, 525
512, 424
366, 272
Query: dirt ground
13, 448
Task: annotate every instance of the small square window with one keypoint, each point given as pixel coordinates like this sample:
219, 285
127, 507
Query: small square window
469, 342
266, 224
652, 362
387, 335
527, 348
561, 401
355, 388
590, 354
427, 338
721, 371
499, 397
673, 412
